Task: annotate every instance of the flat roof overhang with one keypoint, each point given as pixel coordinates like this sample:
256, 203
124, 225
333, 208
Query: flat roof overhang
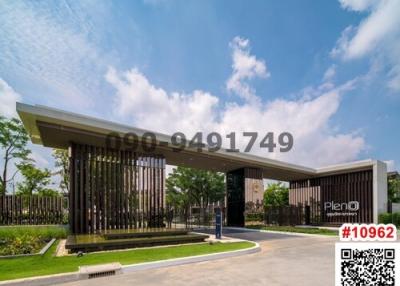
58, 129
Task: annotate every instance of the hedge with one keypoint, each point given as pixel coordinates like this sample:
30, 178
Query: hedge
259, 216
28, 239
389, 218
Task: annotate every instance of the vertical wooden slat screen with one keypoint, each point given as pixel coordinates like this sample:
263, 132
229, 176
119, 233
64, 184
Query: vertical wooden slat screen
356, 186
31, 210
115, 189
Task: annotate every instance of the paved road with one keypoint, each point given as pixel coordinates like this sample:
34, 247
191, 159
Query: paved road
284, 260
248, 235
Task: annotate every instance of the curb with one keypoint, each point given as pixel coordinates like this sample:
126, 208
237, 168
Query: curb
74, 276
43, 280
282, 232
44, 249
191, 259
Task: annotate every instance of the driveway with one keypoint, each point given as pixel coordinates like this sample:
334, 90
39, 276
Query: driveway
283, 260
248, 235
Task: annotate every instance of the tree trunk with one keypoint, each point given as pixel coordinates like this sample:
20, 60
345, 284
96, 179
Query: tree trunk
4, 179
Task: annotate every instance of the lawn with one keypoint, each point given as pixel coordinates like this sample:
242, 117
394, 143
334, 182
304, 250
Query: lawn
14, 268
46, 232
294, 229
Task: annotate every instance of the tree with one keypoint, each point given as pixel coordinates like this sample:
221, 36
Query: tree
187, 186
13, 140
46, 192
276, 195
394, 190
62, 164
35, 180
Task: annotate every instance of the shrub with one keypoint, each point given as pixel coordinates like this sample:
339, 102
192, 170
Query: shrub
27, 239
396, 219
24, 244
385, 218
65, 219
259, 216
389, 218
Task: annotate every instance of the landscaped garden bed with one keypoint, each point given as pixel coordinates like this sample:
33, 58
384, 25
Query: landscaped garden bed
27, 240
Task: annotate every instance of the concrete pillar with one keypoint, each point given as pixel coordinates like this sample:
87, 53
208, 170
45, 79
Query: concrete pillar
380, 196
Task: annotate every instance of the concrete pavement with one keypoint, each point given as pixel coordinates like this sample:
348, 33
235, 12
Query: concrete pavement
246, 234
284, 260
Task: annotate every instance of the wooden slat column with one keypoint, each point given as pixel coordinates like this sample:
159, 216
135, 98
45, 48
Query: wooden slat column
115, 189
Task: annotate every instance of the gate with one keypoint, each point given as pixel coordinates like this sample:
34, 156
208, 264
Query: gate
287, 215
32, 210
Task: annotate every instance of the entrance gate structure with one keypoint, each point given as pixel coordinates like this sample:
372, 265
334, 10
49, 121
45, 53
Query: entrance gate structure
124, 188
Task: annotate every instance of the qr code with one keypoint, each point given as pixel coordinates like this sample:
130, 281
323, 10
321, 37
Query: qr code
366, 266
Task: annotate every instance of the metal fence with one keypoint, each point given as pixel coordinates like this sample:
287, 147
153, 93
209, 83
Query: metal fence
193, 217
285, 215
288, 215
39, 210
196, 217
32, 210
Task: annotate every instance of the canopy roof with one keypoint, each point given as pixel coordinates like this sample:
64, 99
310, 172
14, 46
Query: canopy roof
57, 129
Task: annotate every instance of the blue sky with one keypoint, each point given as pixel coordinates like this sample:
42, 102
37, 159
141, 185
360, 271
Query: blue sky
327, 71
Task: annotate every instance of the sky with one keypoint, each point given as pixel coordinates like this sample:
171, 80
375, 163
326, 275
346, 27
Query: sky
326, 71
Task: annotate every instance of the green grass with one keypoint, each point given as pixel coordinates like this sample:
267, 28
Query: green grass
296, 229
48, 264
44, 232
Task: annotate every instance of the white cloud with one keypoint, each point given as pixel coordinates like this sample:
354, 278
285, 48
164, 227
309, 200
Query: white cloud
8, 98
358, 5
394, 74
153, 107
391, 166
245, 67
155, 2
342, 44
378, 35
330, 73
52, 47
41, 155
316, 141
383, 21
